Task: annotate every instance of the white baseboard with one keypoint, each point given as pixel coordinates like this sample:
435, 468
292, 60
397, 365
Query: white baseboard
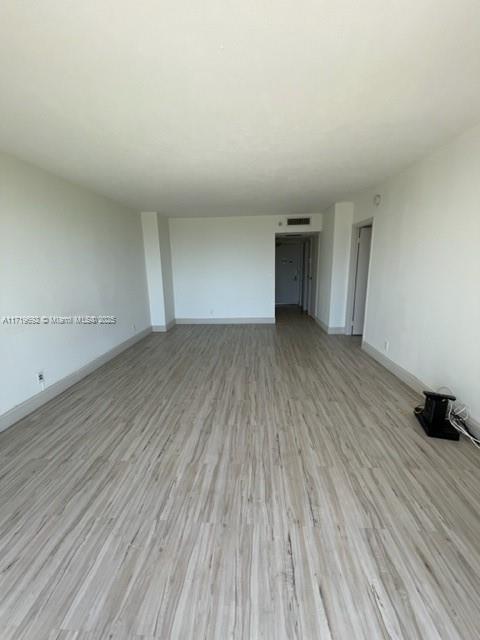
225, 320
22, 410
163, 327
336, 331
409, 379
332, 331
405, 376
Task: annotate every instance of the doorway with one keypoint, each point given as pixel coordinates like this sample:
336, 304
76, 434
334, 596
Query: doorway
296, 272
288, 272
362, 238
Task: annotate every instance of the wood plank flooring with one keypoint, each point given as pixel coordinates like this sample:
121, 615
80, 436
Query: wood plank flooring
237, 482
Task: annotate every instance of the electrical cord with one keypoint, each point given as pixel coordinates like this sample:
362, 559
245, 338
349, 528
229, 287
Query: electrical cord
457, 415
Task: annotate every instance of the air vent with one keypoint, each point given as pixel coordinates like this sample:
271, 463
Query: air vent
291, 222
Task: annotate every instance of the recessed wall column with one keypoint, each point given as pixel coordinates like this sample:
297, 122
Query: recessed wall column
158, 266
333, 267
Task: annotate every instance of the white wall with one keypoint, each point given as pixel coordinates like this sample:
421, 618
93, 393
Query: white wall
325, 262
424, 287
341, 261
63, 251
158, 265
167, 275
223, 267
153, 267
333, 266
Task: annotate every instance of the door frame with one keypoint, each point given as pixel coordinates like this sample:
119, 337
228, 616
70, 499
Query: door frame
313, 278
369, 222
312, 282
306, 265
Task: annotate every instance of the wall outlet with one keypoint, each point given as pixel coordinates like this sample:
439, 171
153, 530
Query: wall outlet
386, 346
134, 327
41, 379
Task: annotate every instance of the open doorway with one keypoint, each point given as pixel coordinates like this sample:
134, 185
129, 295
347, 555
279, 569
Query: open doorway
361, 248
296, 273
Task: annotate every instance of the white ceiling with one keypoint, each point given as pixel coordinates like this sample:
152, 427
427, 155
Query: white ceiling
214, 107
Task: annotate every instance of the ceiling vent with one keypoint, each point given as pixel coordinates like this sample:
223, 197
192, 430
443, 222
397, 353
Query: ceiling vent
292, 222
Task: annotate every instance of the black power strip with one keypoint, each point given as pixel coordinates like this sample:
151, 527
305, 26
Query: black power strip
433, 416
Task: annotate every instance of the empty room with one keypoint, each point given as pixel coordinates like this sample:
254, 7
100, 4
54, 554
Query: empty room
239, 320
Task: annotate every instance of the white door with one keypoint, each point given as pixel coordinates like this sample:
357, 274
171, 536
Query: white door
361, 279
287, 273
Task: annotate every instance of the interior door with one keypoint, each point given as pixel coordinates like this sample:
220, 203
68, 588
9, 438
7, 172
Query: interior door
361, 279
287, 273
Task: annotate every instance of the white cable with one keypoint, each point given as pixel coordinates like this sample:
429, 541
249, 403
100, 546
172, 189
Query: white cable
458, 415
459, 427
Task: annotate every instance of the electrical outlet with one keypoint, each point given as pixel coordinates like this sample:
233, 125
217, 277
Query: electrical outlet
134, 327
386, 346
40, 377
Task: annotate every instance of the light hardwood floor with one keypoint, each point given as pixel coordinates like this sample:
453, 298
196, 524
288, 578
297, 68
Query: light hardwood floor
237, 482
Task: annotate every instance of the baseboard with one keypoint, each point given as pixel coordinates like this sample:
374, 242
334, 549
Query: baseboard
25, 408
409, 379
405, 376
161, 328
332, 331
225, 320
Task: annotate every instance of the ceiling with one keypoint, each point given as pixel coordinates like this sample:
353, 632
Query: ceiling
214, 107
